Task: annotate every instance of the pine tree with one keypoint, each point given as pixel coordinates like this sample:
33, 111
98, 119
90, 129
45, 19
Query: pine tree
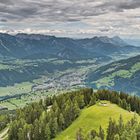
79, 134
134, 120
75, 110
117, 137
92, 100
93, 134
61, 122
111, 130
120, 125
101, 133
80, 101
47, 132
55, 106
13, 131
68, 112
21, 134
36, 134
128, 107
53, 127
124, 104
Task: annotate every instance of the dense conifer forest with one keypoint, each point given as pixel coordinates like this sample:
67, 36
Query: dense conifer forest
45, 119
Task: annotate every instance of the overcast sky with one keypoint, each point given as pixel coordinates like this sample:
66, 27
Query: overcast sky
76, 18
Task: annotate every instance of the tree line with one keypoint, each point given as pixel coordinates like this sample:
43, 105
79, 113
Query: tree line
115, 131
126, 101
45, 119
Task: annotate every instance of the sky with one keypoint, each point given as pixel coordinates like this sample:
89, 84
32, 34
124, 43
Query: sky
72, 18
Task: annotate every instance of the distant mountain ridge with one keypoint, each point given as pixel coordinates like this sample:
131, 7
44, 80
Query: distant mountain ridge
27, 45
114, 40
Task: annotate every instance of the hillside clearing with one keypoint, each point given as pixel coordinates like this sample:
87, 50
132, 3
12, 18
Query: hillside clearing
94, 116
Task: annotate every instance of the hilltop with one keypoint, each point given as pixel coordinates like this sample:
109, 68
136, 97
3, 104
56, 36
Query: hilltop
93, 117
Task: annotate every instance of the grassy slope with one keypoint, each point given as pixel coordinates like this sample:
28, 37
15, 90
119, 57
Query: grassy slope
94, 116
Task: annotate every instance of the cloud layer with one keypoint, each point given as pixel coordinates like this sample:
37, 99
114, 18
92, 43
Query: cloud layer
64, 17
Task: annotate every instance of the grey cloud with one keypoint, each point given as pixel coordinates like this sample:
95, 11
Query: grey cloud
6, 2
61, 10
120, 6
130, 5
104, 30
3, 20
37, 13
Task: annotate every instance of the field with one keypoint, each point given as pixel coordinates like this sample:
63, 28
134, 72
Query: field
22, 93
94, 116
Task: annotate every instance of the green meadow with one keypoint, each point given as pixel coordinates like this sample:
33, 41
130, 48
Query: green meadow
93, 117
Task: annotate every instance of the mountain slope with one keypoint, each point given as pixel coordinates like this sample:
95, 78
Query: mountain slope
122, 75
13, 72
27, 45
114, 40
26, 57
24, 45
107, 46
94, 116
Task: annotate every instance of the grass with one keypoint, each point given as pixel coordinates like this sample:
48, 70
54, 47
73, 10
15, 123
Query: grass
106, 81
8, 105
3, 67
94, 116
109, 80
135, 67
24, 87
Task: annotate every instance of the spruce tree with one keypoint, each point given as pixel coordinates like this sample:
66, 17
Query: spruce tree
36, 134
93, 134
61, 122
117, 137
120, 125
20, 134
92, 100
101, 133
79, 134
75, 109
53, 127
47, 132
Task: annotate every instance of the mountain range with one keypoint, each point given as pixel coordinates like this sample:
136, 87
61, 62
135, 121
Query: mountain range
34, 45
26, 57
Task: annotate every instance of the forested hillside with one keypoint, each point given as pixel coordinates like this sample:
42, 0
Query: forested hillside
47, 118
36, 46
121, 75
